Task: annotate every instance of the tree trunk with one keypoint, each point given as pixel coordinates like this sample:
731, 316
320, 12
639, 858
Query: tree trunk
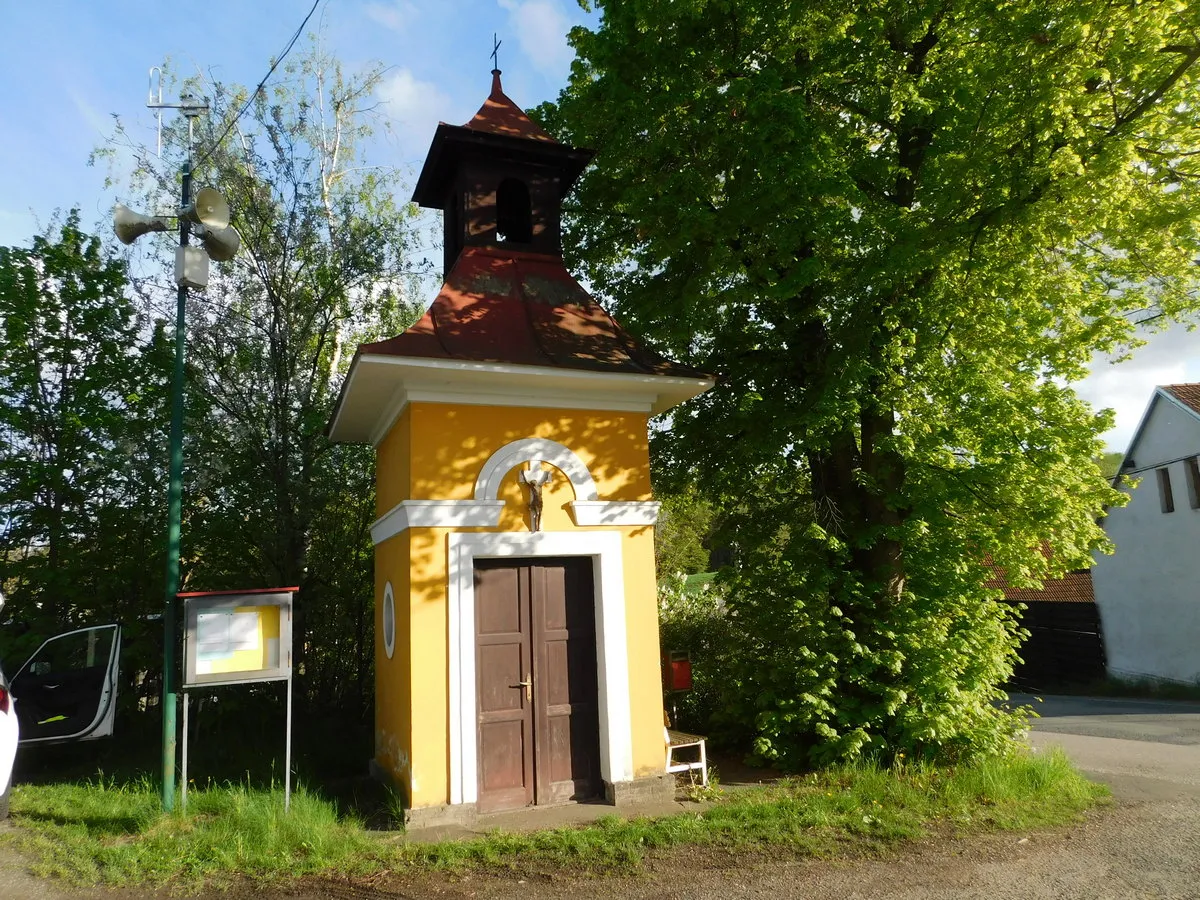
856, 490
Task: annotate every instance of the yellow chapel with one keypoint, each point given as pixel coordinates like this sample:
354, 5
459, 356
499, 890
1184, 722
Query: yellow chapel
516, 625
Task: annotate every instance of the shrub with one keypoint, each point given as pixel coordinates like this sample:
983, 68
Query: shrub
695, 617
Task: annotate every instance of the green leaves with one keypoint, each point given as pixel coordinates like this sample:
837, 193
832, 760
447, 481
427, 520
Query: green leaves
80, 455
896, 232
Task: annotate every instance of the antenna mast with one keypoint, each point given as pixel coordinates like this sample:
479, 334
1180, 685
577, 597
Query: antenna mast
188, 105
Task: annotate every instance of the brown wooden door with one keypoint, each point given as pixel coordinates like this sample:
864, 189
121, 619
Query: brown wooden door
566, 714
503, 663
538, 742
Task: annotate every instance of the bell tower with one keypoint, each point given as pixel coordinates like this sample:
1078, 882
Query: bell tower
499, 180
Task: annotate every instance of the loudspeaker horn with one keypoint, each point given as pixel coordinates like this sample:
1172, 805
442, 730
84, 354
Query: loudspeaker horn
208, 208
130, 226
221, 243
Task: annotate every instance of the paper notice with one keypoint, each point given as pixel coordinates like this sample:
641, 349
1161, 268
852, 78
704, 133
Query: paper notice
212, 635
243, 631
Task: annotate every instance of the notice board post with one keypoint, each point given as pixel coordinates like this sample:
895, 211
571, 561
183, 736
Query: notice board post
238, 637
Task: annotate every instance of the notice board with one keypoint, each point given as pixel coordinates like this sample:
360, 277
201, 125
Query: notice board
235, 637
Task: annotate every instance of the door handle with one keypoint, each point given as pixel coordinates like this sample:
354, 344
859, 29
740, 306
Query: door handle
528, 685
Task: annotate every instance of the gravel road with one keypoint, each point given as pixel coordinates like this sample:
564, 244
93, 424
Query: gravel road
1148, 846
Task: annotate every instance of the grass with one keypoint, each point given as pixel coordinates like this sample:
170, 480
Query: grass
104, 832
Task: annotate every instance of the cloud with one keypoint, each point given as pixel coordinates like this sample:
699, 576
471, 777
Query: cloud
541, 27
95, 119
1170, 356
398, 15
414, 108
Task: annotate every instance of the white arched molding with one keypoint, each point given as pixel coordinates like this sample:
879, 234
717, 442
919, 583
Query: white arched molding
612, 662
587, 509
487, 485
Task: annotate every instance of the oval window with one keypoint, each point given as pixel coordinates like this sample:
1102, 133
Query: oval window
389, 621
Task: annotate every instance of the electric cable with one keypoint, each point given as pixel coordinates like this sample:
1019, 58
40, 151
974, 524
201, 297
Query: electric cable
254, 93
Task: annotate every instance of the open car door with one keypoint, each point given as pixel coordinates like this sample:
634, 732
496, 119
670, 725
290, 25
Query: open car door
67, 691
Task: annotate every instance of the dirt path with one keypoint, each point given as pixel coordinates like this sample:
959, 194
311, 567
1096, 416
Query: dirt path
15, 881
1137, 850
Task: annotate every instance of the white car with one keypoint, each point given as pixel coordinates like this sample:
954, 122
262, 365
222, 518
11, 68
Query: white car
66, 691
8, 742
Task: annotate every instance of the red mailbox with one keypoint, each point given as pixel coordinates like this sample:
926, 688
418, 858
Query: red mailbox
677, 670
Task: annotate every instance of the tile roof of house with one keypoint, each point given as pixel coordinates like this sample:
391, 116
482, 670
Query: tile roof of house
1187, 394
1074, 587
504, 306
499, 115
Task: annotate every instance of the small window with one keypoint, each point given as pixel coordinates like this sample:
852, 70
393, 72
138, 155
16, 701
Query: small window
1164, 491
514, 213
389, 621
1191, 468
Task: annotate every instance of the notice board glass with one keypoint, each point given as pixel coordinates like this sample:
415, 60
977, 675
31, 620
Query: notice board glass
237, 637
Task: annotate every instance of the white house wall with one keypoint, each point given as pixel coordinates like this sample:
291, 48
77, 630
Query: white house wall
1148, 591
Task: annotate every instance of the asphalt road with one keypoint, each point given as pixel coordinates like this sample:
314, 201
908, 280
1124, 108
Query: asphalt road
1149, 721
1145, 750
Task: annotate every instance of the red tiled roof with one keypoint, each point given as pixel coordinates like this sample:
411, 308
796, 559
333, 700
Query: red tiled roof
499, 115
504, 306
1074, 587
1187, 394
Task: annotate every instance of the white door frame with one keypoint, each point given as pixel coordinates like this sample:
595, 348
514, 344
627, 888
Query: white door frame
612, 664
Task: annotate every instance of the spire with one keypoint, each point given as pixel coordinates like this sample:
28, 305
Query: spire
499, 115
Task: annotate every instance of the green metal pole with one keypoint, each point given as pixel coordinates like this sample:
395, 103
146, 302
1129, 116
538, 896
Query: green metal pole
174, 525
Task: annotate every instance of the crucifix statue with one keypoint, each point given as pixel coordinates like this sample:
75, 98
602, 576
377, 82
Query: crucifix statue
536, 478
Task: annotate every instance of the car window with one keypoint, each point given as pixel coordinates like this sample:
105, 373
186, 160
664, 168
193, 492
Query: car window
72, 652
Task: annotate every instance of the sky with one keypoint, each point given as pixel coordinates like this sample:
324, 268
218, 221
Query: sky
69, 66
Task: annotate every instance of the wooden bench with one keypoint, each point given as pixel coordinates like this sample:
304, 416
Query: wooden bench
678, 740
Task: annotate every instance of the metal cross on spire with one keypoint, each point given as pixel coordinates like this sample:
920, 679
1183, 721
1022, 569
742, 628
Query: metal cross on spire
495, 51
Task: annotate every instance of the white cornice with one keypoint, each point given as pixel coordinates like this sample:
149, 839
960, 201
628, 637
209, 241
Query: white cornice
484, 511
379, 387
491, 368
589, 513
486, 514
436, 514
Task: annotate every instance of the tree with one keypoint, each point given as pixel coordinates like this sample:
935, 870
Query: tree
81, 387
325, 262
685, 522
898, 231
1110, 463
